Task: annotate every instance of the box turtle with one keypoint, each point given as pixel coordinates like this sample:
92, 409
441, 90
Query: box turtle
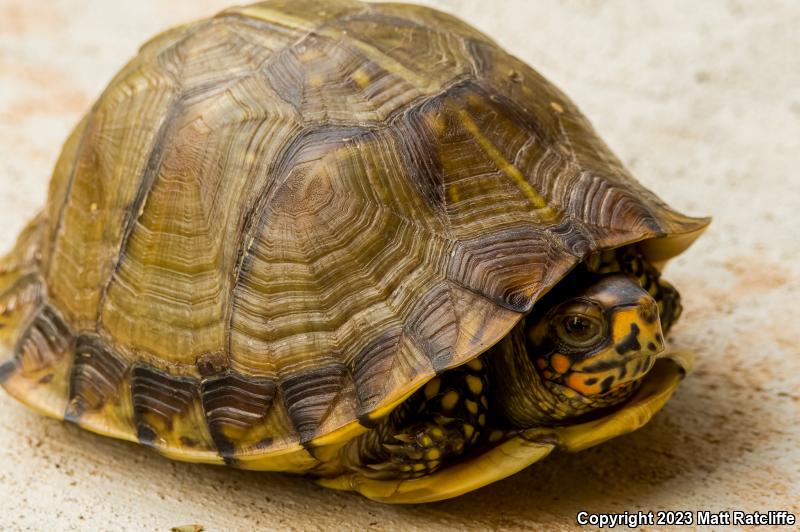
355, 241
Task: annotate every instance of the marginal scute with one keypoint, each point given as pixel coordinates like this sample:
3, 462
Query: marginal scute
168, 413
44, 343
96, 376
276, 224
38, 373
310, 396
433, 325
235, 407
375, 374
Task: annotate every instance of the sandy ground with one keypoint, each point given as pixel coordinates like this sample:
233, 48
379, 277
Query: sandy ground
700, 100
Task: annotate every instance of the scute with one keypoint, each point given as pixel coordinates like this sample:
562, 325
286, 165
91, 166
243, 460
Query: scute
276, 224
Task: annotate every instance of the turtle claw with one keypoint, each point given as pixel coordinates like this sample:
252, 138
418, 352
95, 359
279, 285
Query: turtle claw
382, 466
394, 448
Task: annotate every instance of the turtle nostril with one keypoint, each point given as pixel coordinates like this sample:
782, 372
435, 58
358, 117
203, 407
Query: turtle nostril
649, 313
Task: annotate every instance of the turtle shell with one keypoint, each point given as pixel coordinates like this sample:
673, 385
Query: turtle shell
275, 224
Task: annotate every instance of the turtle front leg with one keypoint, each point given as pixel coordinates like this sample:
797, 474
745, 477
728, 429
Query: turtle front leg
433, 427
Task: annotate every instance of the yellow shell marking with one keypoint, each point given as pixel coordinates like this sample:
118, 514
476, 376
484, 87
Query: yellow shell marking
509, 169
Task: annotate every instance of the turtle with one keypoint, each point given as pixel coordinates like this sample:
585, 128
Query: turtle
355, 241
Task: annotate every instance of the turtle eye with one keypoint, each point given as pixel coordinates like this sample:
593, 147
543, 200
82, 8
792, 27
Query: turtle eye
580, 326
579, 330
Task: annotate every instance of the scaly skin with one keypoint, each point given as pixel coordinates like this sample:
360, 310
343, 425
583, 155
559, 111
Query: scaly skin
536, 376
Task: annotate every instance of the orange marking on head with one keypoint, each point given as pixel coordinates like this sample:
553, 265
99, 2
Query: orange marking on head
559, 362
577, 382
541, 363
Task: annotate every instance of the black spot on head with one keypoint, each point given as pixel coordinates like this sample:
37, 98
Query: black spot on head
630, 342
589, 382
659, 338
46, 379
652, 347
606, 384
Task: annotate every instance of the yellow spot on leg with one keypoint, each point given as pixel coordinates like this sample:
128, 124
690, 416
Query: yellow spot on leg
557, 107
495, 436
474, 384
469, 430
432, 388
450, 400
472, 406
433, 454
475, 364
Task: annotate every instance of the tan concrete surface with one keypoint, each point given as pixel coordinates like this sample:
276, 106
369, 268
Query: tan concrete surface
700, 99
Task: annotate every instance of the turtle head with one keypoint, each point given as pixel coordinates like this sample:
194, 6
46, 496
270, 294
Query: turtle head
584, 348
598, 339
